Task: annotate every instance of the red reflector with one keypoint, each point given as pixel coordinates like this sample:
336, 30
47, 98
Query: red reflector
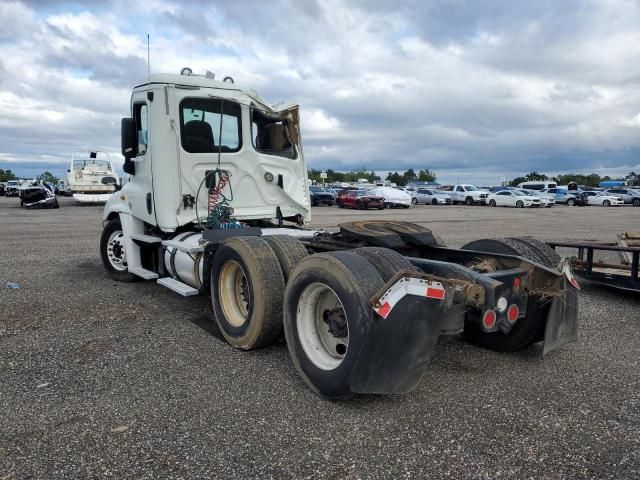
512, 313
516, 282
489, 319
435, 293
384, 310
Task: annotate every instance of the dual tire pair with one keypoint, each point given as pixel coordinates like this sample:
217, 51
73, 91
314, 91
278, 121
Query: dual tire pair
325, 303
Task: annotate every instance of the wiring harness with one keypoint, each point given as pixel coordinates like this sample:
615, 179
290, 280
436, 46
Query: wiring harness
219, 211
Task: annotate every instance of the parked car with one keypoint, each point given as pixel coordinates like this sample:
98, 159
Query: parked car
561, 195
37, 194
469, 194
433, 197
11, 188
513, 198
546, 199
598, 198
321, 196
627, 195
360, 199
393, 197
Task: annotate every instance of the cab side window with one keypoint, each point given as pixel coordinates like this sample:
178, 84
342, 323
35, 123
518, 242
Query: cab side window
142, 129
210, 125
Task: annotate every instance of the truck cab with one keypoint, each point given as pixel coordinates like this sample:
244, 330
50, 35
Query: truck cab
185, 127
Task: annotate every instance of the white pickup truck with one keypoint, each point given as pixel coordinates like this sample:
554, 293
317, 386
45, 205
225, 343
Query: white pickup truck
469, 194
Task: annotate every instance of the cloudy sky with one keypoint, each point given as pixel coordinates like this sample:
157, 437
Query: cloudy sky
473, 89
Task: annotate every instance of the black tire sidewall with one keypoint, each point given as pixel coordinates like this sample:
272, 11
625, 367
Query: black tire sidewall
332, 384
222, 256
113, 225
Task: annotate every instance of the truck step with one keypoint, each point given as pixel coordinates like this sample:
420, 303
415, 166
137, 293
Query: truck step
178, 287
182, 247
145, 238
143, 272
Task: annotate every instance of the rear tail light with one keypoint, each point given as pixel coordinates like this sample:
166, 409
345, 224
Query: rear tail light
512, 313
489, 319
516, 283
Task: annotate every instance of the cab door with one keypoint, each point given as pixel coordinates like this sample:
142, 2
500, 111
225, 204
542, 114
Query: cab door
140, 192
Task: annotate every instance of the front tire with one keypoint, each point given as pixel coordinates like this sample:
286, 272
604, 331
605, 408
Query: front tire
112, 251
520, 204
247, 286
636, 202
414, 201
571, 202
492, 203
468, 201
606, 203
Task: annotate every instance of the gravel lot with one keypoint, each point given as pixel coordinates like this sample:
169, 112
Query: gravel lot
99, 379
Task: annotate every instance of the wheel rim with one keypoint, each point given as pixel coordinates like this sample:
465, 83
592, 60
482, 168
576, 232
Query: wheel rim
414, 201
235, 297
322, 326
519, 204
492, 203
115, 251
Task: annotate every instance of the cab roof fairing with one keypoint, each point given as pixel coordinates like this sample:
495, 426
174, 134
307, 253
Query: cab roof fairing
251, 96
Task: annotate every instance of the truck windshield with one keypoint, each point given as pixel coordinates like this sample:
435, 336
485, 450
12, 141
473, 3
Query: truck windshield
470, 188
271, 135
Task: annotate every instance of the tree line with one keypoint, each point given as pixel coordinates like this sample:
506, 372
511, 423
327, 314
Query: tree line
425, 175
590, 180
6, 175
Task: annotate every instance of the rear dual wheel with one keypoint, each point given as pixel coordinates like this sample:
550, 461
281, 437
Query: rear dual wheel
248, 276
326, 311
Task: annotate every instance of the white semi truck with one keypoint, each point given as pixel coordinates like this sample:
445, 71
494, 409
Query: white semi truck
216, 204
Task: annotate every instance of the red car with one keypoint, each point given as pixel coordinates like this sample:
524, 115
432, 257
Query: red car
359, 199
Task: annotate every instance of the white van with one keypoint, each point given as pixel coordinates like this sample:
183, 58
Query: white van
537, 185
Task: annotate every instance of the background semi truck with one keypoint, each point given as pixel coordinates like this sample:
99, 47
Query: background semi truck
216, 204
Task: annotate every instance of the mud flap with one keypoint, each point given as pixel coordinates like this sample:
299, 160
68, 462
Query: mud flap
397, 349
562, 322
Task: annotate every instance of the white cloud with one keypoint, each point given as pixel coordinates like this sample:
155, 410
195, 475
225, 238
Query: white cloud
463, 88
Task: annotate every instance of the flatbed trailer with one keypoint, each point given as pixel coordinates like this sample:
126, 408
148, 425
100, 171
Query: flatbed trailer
621, 276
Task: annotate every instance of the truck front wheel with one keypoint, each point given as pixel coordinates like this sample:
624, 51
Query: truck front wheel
247, 286
112, 251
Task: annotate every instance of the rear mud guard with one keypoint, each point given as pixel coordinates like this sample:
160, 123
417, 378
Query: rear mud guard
562, 322
397, 349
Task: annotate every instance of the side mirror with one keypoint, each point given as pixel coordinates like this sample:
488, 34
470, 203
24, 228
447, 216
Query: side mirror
110, 181
129, 144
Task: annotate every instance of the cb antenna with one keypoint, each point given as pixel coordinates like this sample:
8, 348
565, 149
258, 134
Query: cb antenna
148, 64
